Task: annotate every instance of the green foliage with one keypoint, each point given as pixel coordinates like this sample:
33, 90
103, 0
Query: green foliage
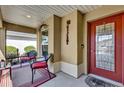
11, 50
29, 48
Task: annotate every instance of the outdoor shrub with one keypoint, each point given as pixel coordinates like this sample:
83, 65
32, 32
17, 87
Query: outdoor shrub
11, 49
29, 48
12, 52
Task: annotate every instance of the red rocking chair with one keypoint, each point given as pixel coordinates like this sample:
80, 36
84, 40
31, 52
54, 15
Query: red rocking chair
30, 56
40, 65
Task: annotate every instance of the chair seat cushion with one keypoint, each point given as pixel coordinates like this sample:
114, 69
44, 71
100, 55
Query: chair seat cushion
32, 57
39, 65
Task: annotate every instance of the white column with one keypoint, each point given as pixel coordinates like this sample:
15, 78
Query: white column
2, 40
39, 41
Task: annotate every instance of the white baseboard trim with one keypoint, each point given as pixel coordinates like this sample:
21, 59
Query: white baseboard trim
71, 69
80, 69
51, 67
54, 67
57, 67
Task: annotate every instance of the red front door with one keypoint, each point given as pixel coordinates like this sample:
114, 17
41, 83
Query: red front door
105, 47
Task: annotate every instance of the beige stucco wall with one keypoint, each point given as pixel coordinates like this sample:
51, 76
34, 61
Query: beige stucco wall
39, 41
19, 28
80, 19
2, 40
1, 25
57, 38
2, 34
54, 40
69, 52
54, 36
72, 53
96, 14
50, 22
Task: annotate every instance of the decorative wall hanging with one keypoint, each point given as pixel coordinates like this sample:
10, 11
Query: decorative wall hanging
67, 34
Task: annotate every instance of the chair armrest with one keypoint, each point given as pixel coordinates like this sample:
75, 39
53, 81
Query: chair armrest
38, 62
22, 56
39, 57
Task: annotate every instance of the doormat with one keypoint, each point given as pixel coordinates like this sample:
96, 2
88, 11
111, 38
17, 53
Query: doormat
94, 82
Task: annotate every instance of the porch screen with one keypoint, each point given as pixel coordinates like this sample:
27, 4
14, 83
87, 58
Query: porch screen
105, 47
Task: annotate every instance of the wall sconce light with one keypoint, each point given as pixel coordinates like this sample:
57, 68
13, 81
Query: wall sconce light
43, 26
82, 45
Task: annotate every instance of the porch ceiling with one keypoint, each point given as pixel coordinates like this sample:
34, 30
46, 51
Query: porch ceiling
17, 14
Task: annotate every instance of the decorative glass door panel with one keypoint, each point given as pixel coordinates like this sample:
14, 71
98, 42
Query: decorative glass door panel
105, 46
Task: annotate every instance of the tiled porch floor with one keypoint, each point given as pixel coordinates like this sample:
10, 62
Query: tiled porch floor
64, 80
61, 79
